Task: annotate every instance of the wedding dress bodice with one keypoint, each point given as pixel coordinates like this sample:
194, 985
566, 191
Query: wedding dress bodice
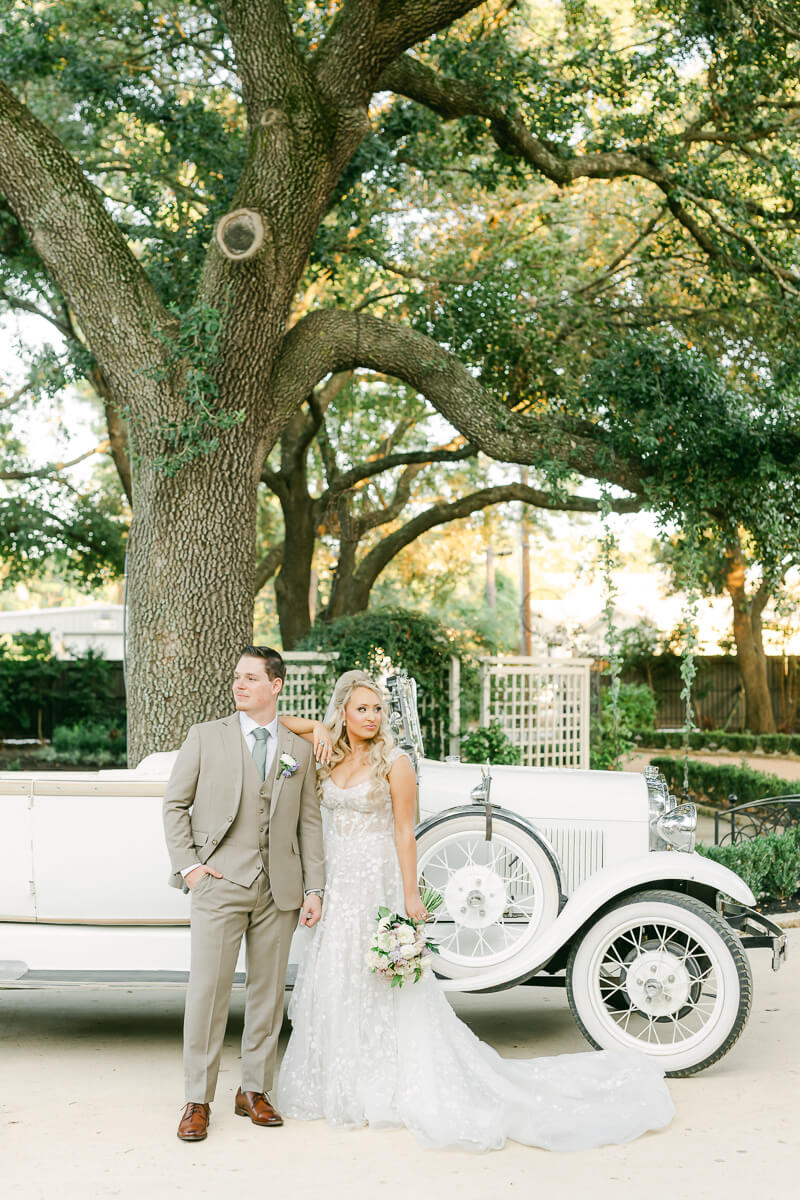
355, 811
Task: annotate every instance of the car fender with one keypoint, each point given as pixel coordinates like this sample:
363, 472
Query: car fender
659, 867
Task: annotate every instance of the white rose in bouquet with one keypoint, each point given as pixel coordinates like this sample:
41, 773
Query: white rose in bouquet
400, 950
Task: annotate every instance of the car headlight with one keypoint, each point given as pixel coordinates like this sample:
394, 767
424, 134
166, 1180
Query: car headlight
675, 830
658, 798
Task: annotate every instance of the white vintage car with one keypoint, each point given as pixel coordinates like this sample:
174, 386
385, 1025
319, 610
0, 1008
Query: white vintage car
586, 879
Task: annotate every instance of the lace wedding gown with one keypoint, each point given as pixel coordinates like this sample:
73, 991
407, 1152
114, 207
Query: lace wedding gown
362, 1052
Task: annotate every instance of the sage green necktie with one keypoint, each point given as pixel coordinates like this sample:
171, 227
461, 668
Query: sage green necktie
260, 750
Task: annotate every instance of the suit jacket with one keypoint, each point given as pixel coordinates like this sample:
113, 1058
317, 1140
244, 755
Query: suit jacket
202, 799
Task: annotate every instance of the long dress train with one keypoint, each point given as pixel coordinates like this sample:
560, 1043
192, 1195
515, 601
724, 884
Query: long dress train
363, 1053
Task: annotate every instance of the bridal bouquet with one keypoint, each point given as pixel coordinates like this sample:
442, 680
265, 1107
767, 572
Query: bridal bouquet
400, 951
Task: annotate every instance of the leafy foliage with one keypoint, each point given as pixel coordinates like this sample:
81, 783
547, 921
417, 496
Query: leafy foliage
707, 450
192, 351
90, 741
635, 709
408, 641
146, 96
82, 535
35, 687
489, 743
769, 864
411, 642
714, 783
720, 739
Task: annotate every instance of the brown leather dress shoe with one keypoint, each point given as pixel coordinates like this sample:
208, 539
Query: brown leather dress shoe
194, 1122
258, 1107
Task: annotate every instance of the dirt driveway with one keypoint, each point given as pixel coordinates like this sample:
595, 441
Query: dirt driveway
90, 1091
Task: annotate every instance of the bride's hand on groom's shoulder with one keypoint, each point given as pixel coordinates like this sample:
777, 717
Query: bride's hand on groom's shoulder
322, 743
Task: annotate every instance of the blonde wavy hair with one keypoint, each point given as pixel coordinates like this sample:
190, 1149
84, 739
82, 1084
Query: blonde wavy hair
381, 744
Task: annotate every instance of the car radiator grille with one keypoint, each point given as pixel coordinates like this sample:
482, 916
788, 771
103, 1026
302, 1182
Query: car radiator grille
580, 852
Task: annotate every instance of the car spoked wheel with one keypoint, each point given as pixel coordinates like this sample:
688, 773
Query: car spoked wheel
664, 975
497, 894
661, 973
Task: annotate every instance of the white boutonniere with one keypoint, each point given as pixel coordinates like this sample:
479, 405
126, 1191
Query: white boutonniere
288, 765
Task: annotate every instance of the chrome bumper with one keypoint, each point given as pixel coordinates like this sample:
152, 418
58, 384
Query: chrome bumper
756, 931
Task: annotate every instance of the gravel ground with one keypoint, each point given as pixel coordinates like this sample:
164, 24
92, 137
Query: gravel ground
90, 1090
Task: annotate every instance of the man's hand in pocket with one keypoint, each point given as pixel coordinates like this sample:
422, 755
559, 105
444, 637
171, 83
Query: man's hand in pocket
194, 877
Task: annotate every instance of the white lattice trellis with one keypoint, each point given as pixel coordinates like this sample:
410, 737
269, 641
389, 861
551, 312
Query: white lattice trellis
543, 706
310, 676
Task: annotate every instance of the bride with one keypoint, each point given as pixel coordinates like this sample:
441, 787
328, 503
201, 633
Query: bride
364, 1053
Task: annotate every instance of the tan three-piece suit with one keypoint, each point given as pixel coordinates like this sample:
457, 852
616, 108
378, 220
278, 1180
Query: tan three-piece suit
265, 838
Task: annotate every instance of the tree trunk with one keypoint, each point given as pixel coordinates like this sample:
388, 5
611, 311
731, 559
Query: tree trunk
349, 595
293, 582
759, 717
349, 589
189, 597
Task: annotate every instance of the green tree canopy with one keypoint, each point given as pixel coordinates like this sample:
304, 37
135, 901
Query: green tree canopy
195, 196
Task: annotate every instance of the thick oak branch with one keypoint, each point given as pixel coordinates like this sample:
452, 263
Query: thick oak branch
367, 36
453, 98
268, 59
381, 555
332, 340
81, 247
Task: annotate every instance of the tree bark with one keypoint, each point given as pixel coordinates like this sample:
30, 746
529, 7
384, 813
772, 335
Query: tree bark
190, 555
752, 662
293, 581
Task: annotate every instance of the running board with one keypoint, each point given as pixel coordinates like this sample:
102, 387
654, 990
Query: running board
16, 975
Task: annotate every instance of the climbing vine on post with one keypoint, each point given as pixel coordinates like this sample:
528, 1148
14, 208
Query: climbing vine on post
688, 660
609, 558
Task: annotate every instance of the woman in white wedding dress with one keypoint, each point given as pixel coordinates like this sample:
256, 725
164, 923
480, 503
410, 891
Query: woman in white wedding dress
364, 1053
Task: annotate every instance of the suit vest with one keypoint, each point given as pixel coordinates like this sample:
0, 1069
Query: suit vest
244, 851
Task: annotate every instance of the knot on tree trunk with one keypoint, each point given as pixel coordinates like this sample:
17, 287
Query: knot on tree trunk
240, 234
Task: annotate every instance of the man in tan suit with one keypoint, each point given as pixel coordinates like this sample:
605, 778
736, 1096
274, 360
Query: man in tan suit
244, 833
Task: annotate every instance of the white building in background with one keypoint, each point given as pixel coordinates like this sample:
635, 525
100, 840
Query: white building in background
72, 631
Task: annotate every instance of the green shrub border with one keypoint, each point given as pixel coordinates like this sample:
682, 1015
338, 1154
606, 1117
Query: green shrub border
718, 739
713, 783
102, 741
769, 864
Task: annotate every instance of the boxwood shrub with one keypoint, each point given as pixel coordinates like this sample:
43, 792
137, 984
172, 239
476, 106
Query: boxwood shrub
769, 864
718, 739
713, 783
101, 742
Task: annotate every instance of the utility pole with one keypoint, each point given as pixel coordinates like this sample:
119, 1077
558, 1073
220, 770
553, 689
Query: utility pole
524, 576
491, 581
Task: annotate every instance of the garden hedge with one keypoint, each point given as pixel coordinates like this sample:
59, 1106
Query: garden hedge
718, 739
769, 864
713, 783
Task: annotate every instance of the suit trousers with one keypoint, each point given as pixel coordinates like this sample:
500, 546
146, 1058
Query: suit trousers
222, 913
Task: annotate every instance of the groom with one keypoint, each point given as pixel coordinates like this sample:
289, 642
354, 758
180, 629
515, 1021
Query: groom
244, 834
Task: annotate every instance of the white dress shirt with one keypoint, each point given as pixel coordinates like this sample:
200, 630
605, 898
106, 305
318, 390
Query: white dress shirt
247, 725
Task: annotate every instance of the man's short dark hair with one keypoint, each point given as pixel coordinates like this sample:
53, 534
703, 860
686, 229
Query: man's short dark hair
273, 663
